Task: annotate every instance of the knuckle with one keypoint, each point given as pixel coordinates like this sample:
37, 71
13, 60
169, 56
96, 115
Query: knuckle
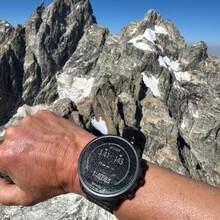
44, 113
27, 120
11, 131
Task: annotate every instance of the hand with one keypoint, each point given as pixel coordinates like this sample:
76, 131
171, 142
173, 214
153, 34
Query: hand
40, 155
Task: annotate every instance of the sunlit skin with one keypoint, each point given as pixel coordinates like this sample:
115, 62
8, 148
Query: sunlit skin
40, 155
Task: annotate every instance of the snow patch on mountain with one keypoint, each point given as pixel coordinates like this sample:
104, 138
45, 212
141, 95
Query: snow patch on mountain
133, 31
160, 30
100, 125
152, 83
166, 62
174, 66
140, 45
182, 76
74, 88
149, 35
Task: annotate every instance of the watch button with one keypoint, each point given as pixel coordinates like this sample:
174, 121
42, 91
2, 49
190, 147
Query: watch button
130, 195
140, 181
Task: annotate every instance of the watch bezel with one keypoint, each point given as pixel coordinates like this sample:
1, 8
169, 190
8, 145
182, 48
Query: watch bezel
120, 193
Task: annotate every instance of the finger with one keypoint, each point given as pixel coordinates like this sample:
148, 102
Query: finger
10, 194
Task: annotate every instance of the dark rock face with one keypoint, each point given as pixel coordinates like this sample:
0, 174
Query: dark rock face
146, 77
12, 51
52, 35
38, 50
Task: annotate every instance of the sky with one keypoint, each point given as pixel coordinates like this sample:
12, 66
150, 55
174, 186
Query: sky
195, 19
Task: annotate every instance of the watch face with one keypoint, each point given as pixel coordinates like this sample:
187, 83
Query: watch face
108, 166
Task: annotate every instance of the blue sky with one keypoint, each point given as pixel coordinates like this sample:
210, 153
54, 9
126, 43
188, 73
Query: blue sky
196, 19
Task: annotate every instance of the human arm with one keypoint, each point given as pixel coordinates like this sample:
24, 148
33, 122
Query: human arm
167, 195
41, 155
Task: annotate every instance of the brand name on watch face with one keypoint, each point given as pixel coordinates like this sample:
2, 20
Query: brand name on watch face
108, 167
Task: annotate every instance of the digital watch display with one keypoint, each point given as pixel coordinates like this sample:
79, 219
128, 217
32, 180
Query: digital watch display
110, 167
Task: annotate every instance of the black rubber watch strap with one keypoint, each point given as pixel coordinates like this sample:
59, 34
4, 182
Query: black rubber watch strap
107, 205
135, 137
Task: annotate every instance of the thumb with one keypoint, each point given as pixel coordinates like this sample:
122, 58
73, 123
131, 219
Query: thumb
10, 194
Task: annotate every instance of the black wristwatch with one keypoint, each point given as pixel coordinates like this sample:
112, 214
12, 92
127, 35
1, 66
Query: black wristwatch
111, 168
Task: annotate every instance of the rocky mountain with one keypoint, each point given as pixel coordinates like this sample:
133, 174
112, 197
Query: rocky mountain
5, 29
146, 77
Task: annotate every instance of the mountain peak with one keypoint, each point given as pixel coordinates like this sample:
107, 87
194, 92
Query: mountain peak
5, 29
146, 77
152, 17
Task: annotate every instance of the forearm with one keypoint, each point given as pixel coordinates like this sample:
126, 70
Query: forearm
51, 150
167, 195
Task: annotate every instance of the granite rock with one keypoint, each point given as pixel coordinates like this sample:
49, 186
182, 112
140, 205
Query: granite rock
146, 77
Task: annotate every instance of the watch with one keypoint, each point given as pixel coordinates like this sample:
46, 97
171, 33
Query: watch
111, 168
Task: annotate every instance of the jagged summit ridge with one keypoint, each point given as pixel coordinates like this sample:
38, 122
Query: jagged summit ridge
146, 76
54, 38
5, 29
47, 40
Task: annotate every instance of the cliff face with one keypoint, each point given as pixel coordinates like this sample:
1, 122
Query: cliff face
31, 55
146, 76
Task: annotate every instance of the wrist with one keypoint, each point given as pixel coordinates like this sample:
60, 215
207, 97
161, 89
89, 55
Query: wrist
74, 180
81, 142
68, 175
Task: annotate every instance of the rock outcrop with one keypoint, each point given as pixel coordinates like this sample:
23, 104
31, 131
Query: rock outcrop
5, 29
30, 56
146, 77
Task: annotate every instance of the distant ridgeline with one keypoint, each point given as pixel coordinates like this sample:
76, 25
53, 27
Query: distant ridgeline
146, 77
